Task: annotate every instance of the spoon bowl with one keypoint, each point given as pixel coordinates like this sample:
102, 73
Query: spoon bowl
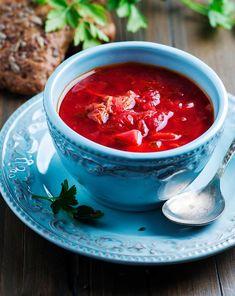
196, 208
202, 206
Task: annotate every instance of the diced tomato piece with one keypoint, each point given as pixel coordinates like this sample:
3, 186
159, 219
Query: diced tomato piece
165, 136
152, 99
123, 121
155, 120
162, 120
132, 137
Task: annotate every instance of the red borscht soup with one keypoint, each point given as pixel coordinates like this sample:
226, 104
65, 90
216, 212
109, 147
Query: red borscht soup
137, 107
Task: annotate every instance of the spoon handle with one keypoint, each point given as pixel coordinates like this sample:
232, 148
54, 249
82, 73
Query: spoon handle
226, 159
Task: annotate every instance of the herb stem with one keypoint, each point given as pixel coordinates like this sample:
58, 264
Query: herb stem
197, 7
67, 202
51, 199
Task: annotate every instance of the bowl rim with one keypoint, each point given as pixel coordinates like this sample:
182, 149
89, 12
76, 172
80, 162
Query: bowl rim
81, 141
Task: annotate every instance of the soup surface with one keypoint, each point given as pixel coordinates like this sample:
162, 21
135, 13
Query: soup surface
137, 107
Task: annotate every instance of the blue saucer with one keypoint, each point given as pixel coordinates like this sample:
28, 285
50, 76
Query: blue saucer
29, 164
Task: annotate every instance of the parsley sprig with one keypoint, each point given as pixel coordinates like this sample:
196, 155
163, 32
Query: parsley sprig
221, 13
67, 202
88, 18
128, 9
82, 15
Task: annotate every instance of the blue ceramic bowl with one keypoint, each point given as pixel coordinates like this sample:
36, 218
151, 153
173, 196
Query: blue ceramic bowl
126, 180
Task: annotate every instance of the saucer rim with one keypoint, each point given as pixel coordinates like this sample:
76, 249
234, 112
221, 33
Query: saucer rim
104, 255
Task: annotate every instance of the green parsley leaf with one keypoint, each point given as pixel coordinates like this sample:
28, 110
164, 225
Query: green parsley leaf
123, 9
113, 4
97, 33
90, 43
128, 9
219, 19
218, 5
221, 13
58, 3
89, 34
80, 34
96, 11
136, 20
40, 2
197, 7
72, 17
56, 19
67, 202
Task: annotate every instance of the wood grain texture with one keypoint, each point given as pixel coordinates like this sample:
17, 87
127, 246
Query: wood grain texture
11, 233
226, 272
29, 265
196, 279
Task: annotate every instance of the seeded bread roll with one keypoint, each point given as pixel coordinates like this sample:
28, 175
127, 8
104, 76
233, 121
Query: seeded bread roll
28, 55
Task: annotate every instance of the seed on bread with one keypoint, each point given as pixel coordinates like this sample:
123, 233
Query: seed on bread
7, 8
2, 27
55, 52
23, 55
36, 20
40, 41
15, 47
22, 43
39, 59
2, 36
13, 65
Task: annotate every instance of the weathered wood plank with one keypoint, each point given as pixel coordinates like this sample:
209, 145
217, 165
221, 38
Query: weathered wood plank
226, 272
10, 228
13, 257
194, 279
45, 269
8, 231
215, 47
99, 278
29, 265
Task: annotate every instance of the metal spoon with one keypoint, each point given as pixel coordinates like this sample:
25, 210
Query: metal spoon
202, 206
